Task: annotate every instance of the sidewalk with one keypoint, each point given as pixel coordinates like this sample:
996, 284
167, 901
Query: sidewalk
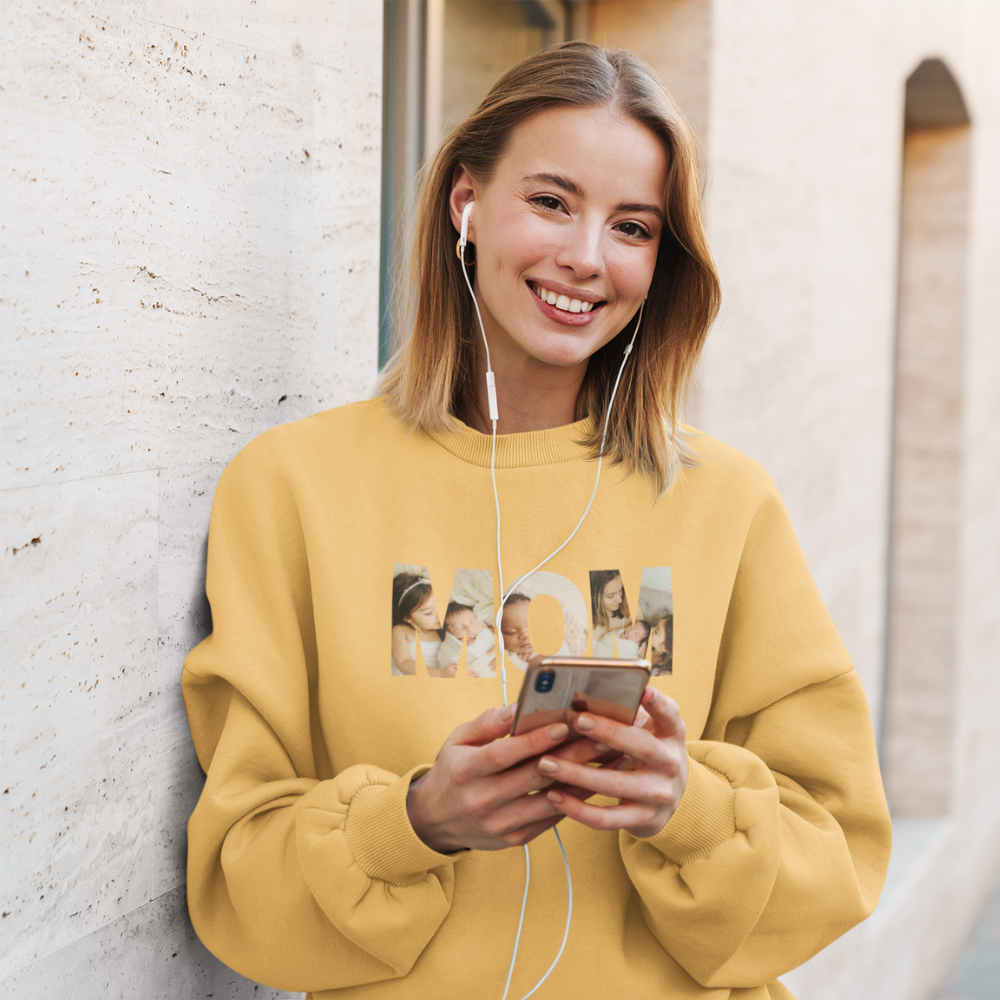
975, 973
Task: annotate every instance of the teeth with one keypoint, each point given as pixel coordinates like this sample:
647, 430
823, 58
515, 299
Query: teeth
563, 302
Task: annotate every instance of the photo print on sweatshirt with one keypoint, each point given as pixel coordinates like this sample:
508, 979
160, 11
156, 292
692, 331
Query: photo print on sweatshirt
468, 622
432, 636
519, 646
621, 634
656, 609
417, 629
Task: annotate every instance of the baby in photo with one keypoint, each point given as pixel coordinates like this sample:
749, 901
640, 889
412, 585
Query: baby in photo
460, 623
631, 639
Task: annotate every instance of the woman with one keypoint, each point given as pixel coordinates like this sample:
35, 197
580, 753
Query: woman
351, 838
608, 609
414, 619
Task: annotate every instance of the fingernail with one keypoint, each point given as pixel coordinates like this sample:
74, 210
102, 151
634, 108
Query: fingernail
601, 747
547, 766
586, 723
559, 731
554, 797
508, 712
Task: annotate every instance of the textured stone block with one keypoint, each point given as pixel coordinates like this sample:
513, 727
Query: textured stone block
802, 211
192, 225
183, 620
79, 630
151, 953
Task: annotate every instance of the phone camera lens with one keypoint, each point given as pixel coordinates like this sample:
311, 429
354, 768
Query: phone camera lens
546, 679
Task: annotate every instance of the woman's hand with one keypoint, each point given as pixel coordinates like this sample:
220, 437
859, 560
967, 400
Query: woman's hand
649, 780
479, 795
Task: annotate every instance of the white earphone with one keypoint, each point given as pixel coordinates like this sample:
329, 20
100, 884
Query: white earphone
491, 393
491, 387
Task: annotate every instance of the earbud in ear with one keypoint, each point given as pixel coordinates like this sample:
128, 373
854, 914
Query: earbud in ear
466, 213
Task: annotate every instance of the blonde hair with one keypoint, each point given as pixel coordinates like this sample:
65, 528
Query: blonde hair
429, 377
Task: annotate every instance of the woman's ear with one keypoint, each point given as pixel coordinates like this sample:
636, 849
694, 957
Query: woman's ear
462, 193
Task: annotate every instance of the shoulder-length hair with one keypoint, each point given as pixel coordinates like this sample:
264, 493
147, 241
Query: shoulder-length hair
599, 579
429, 378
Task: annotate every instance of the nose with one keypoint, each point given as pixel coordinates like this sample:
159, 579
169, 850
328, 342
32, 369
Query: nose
583, 249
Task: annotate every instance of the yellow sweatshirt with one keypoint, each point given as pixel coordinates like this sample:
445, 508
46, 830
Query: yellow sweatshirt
303, 870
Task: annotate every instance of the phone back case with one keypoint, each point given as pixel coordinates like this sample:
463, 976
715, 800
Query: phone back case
612, 688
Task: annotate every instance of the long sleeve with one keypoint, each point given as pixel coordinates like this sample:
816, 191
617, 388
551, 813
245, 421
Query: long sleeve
297, 878
303, 869
781, 840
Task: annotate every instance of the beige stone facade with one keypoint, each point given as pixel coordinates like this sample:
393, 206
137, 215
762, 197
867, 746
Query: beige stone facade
190, 252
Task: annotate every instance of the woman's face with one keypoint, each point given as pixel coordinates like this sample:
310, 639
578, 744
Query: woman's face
612, 595
573, 212
425, 615
658, 637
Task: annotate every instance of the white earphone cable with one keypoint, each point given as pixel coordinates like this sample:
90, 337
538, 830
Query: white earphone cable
504, 594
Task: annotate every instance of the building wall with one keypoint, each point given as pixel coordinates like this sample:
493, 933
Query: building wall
189, 205
800, 108
805, 144
189, 254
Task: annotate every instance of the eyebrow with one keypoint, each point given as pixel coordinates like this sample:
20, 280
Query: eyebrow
573, 188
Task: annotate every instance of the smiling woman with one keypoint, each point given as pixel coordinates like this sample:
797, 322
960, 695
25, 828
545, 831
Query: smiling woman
352, 835
584, 178
571, 216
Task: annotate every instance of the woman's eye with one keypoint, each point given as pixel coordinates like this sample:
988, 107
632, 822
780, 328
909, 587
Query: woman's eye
633, 229
548, 201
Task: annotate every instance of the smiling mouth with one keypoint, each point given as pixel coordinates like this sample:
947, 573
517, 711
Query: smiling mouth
562, 302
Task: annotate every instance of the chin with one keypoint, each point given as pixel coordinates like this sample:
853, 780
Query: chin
563, 355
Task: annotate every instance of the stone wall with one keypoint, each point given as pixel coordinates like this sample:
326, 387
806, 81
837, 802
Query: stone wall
189, 198
806, 150
800, 106
189, 206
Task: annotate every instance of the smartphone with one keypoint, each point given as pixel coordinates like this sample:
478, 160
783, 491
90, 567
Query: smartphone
557, 688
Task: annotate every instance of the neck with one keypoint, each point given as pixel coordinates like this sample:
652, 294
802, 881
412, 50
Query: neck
530, 397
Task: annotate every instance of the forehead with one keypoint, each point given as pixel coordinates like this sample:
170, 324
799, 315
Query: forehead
461, 611
606, 154
516, 609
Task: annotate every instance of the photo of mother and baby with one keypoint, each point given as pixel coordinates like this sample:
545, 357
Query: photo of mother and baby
648, 636
469, 621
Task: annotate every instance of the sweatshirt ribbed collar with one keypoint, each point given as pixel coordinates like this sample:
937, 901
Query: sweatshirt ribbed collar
515, 451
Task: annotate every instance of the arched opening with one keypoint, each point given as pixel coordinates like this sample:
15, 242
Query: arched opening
918, 729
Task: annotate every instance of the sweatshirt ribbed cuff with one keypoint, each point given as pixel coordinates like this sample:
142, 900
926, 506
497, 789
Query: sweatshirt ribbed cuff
703, 819
380, 836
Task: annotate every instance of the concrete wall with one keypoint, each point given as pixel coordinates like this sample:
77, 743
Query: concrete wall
189, 203
189, 254
805, 144
800, 106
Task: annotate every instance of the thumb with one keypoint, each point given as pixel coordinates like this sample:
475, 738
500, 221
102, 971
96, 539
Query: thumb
485, 728
664, 714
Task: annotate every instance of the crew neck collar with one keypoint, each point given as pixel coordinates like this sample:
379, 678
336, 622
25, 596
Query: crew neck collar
515, 451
